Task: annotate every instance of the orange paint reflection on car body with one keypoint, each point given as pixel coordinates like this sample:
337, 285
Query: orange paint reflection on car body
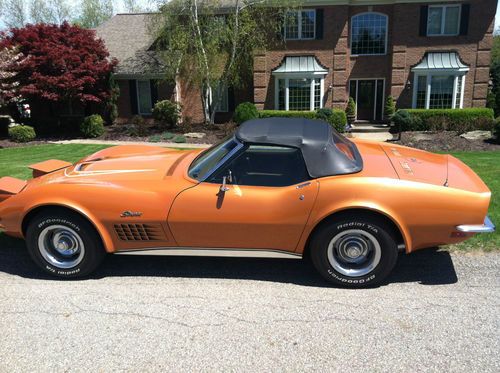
166, 208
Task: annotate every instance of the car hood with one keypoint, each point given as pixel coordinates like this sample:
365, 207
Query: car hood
122, 163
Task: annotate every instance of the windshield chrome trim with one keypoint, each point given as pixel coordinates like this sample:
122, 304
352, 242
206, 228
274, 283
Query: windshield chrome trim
239, 145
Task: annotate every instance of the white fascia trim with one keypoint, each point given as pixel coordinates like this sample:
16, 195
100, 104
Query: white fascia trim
460, 71
300, 74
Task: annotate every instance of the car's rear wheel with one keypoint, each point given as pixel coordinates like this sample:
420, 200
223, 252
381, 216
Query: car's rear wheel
354, 251
64, 244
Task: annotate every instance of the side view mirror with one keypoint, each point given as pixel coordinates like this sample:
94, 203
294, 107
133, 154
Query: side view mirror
225, 181
223, 187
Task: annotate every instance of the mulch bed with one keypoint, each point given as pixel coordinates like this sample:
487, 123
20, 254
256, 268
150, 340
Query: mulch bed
11, 144
430, 141
213, 133
446, 141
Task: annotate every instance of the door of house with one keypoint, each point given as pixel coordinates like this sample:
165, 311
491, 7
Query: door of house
369, 97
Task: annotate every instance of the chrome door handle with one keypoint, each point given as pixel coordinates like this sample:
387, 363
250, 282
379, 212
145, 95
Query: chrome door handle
303, 185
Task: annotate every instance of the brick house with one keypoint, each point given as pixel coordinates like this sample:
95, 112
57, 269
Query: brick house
140, 72
426, 54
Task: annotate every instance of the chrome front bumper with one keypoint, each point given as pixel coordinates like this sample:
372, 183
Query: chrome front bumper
486, 227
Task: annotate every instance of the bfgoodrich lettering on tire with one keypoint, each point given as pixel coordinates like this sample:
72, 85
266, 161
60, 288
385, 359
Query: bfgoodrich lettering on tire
354, 251
64, 244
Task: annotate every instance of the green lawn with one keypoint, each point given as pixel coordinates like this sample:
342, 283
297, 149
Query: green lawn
487, 166
14, 162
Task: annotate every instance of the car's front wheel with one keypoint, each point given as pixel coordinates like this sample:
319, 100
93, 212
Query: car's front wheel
354, 251
64, 244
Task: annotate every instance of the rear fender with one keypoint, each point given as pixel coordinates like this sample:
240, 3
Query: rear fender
368, 206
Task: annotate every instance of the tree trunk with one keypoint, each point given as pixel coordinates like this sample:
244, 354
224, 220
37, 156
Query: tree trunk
206, 89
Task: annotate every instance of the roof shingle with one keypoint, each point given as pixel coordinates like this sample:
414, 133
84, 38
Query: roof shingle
128, 38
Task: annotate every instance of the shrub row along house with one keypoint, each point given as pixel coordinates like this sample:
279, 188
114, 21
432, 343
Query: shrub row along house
426, 54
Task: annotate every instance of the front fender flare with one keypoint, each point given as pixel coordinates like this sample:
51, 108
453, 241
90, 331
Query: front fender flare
107, 241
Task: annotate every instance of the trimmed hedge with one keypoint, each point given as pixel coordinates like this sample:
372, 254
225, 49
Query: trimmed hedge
92, 126
22, 133
167, 113
287, 114
245, 111
459, 120
335, 117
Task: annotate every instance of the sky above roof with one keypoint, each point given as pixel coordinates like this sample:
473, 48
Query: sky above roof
497, 17
118, 6
152, 4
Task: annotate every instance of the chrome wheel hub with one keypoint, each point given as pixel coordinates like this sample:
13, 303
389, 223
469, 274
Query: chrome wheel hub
61, 246
354, 252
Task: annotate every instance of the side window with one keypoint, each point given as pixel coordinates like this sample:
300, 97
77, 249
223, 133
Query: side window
262, 165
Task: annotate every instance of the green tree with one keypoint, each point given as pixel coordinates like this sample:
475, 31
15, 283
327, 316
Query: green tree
390, 107
131, 6
494, 94
211, 44
94, 12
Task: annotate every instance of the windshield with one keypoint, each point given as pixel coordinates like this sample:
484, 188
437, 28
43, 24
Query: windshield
207, 160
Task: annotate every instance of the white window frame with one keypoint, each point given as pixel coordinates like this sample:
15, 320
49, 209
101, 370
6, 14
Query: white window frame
299, 19
139, 98
374, 106
386, 34
429, 75
443, 19
292, 76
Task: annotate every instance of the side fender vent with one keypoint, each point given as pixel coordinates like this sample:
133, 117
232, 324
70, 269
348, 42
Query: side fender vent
139, 232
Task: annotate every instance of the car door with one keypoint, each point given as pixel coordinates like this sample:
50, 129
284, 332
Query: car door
265, 204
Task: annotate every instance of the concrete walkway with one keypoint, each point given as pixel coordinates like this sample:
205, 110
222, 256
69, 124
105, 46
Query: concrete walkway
111, 142
376, 136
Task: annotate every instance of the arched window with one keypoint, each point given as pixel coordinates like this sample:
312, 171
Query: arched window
369, 34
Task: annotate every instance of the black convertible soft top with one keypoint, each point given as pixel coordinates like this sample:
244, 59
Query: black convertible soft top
325, 151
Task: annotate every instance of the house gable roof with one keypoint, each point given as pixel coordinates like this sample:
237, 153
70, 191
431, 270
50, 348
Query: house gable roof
128, 38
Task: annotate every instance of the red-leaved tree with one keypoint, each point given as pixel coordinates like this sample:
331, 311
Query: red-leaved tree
64, 64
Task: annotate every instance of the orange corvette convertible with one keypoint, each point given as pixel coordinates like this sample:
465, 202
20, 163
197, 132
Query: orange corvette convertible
288, 186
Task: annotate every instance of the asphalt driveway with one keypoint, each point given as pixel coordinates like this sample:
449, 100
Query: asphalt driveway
438, 313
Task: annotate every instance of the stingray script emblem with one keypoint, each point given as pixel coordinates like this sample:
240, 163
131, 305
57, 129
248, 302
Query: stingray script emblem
130, 214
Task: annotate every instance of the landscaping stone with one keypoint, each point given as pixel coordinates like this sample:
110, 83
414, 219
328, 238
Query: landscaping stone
447, 141
476, 135
7, 118
423, 137
195, 135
